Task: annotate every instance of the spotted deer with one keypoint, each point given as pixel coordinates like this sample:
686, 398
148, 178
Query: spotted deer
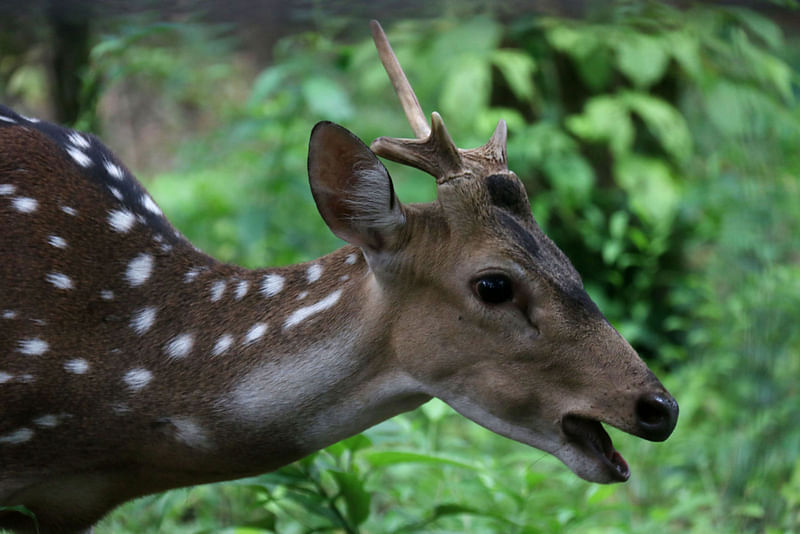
131, 362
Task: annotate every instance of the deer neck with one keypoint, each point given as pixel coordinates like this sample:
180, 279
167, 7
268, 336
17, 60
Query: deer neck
299, 358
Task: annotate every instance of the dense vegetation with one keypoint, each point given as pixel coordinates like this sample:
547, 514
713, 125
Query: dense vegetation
659, 147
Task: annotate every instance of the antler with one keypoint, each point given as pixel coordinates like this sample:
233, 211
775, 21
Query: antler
433, 151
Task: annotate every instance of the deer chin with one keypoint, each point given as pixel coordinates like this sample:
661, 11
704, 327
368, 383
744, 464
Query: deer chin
590, 453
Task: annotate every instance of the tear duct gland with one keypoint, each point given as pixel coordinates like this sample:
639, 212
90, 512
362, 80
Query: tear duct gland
131, 362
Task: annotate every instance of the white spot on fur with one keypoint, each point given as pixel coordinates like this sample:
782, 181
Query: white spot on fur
46, 421
180, 346
350, 259
272, 285
27, 378
33, 346
302, 295
121, 220
15, 437
77, 366
191, 274
25, 204
344, 278
7, 119
188, 431
9, 314
107, 294
113, 170
313, 273
217, 290
30, 119
116, 192
120, 408
143, 319
57, 241
80, 157
5, 377
255, 333
59, 280
150, 205
78, 140
139, 269
7, 189
222, 345
305, 312
241, 289
69, 211
136, 379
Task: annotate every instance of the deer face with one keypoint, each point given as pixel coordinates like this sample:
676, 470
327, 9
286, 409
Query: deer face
487, 313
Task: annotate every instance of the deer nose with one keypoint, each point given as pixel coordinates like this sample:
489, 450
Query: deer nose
656, 416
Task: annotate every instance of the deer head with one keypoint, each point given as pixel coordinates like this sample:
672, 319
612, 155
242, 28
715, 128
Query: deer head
485, 311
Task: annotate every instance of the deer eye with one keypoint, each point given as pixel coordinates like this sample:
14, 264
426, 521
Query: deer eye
494, 288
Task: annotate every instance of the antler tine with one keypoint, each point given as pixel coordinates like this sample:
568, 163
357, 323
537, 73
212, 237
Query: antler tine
433, 151
408, 99
492, 155
437, 154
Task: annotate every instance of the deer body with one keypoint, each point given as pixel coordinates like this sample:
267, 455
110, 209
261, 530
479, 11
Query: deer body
131, 362
163, 367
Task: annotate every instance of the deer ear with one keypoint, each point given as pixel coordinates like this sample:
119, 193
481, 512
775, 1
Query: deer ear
352, 189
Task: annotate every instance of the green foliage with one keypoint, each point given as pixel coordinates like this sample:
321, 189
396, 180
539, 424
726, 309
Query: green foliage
659, 149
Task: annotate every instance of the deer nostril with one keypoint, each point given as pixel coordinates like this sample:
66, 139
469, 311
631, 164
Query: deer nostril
656, 416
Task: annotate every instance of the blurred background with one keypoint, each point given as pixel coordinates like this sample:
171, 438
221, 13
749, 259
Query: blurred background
659, 145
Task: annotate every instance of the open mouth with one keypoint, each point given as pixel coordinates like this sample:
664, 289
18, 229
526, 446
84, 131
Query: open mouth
590, 436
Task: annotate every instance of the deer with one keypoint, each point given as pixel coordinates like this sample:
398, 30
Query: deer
132, 363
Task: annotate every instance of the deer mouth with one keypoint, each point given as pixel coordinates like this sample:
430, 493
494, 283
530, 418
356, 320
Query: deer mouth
590, 437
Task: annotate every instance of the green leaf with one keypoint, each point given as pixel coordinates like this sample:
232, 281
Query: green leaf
760, 26
385, 458
517, 68
664, 122
315, 504
436, 409
355, 496
577, 42
325, 98
750, 509
266, 83
598, 494
466, 89
475, 36
587, 47
618, 223
685, 49
571, 176
653, 191
641, 58
604, 118
451, 509
596, 69
351, 445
